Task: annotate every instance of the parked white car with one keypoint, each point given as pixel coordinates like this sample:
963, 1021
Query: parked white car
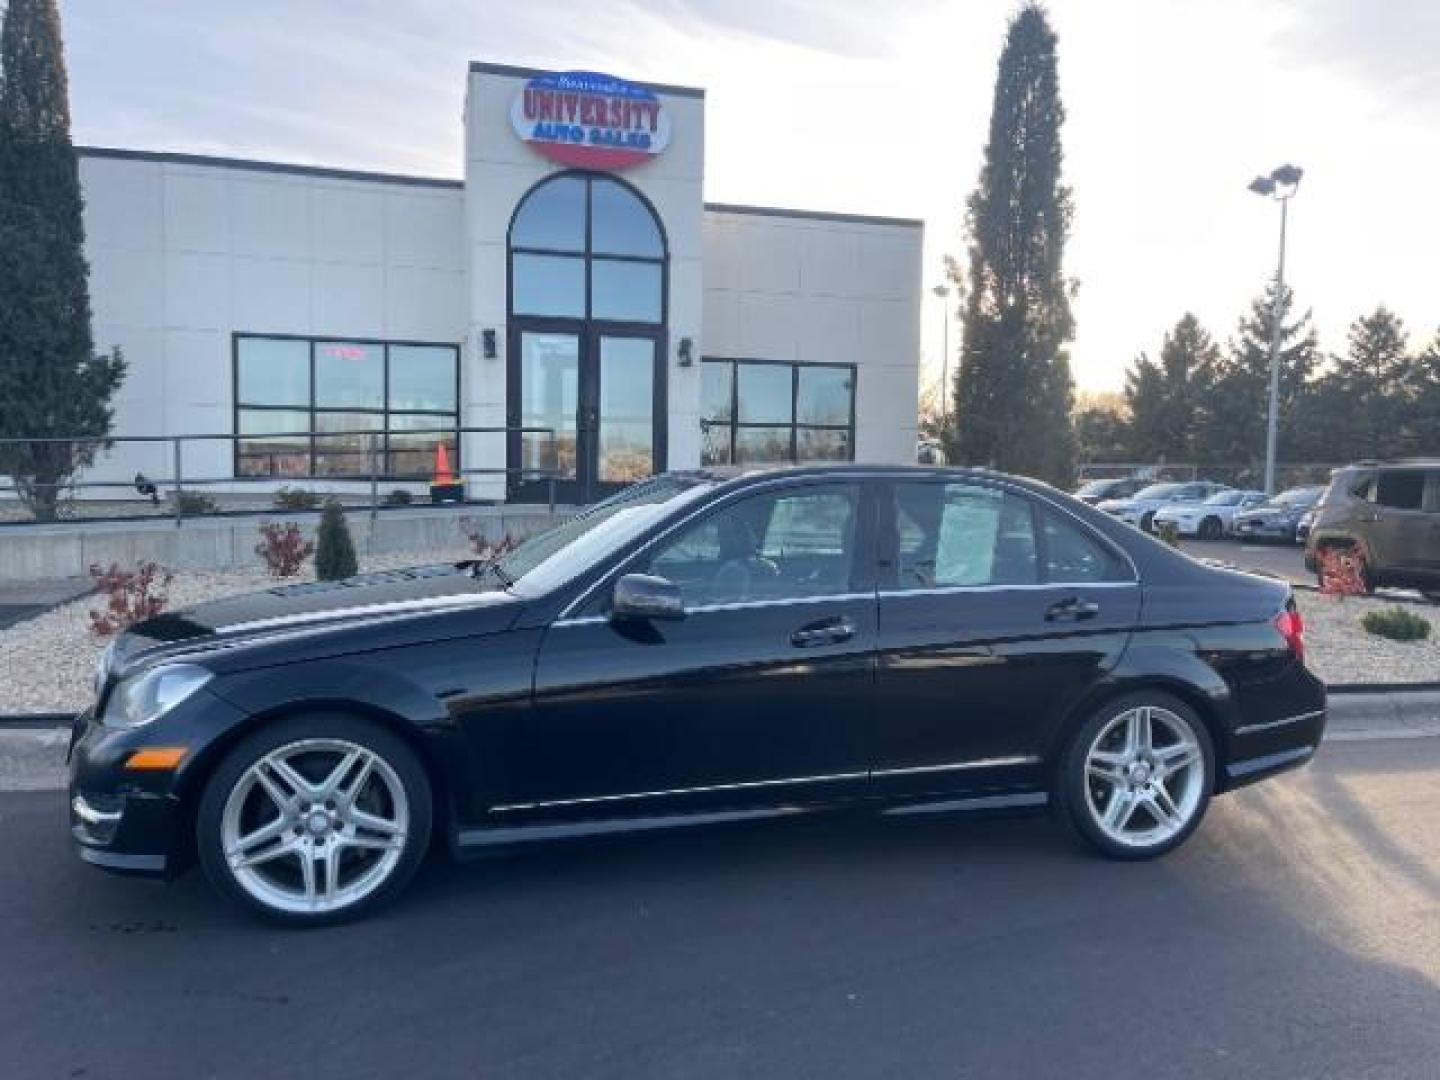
1140, 509
1211, 519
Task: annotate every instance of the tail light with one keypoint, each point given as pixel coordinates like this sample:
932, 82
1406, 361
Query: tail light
1292, 629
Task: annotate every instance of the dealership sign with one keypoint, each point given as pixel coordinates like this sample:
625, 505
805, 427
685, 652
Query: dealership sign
590, 121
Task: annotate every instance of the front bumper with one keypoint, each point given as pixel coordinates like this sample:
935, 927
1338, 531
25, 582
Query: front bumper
139, 822
1266, 530
1184, 526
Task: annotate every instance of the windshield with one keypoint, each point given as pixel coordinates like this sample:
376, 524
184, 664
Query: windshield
1226, 498
1158, 491
1296, 497
549, 559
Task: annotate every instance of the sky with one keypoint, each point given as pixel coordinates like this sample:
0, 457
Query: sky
881, 108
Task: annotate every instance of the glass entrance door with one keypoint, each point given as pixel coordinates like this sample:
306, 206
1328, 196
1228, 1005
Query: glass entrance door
598, 391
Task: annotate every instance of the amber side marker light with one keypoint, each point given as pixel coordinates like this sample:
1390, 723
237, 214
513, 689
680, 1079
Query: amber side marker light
156, 758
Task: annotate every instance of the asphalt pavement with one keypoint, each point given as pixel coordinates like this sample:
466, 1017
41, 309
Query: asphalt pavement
1297, 935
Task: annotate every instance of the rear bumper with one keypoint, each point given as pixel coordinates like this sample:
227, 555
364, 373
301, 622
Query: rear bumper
1265, 748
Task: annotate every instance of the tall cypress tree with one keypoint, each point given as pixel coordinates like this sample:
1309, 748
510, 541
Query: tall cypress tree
52, 384
1014, 391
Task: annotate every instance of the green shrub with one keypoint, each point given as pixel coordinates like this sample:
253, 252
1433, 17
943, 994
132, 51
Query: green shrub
194, 503
1396, 623
296, 498
334, 550
1169, 532
398, 497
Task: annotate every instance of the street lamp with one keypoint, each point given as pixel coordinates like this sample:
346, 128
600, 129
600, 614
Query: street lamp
1280, 185
943, 292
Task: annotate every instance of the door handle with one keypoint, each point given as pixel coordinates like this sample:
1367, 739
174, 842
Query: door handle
1071, 608
826, 632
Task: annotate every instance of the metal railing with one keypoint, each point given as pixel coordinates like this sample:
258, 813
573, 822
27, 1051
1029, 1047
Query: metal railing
377, 449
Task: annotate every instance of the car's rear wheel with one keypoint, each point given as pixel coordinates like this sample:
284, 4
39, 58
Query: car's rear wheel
1211, 528
1147, 522
1136, 778
315, 819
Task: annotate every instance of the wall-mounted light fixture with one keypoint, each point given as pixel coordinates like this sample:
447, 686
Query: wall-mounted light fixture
686, 351
488, 348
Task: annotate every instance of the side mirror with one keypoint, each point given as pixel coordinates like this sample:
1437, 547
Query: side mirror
645, 597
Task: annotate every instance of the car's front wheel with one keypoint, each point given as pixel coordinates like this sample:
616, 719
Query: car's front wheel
315, 819
1137, 776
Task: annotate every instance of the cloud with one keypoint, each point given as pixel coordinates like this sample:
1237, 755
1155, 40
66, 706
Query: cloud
1390, 44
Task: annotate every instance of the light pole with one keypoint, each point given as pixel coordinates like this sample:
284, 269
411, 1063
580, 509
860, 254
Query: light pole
943, 292
1280, 185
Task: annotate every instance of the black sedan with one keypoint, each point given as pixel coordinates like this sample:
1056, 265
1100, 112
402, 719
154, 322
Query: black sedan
700, 648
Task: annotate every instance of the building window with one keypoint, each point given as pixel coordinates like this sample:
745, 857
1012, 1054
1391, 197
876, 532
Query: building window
587, 247
763, 411
341, 408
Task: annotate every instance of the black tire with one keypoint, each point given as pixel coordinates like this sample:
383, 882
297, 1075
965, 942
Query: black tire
1210, 529
403, 765
1071, 798
1147, 522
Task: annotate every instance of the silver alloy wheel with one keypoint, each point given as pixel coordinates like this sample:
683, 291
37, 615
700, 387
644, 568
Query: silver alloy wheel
1144, 776
315, 826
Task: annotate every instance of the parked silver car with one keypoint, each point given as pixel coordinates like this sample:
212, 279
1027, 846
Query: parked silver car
1140, 509
1211, 519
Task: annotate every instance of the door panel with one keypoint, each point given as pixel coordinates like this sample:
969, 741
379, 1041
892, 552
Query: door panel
548, 378
998, 616
625, 416
763, 692
601, 391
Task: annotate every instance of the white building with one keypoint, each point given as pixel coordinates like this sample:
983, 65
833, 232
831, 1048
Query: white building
574, 280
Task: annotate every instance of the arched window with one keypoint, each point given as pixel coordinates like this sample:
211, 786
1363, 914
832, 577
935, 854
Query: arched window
586, 246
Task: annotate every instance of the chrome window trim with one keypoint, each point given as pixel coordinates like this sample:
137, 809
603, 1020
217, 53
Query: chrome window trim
861, 477
1285, 721
943, 590
590, 800
740, 605
856, 478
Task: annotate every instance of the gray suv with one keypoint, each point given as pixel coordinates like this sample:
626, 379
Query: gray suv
1389, 514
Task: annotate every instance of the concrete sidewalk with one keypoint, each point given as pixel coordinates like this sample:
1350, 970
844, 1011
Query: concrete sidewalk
33, 759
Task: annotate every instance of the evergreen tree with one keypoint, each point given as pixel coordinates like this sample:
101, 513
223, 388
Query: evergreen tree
1234, 406
1014, 392
52, 384
1373, 380
1164, 398
1102, 433
334, 549
1422, 420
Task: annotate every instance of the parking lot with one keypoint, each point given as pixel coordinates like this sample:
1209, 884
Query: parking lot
1296, 936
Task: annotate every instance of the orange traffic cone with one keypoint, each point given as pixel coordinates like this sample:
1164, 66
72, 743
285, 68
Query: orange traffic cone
444, 487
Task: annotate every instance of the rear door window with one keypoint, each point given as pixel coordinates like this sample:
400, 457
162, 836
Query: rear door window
1401, 489
1073, 556
954, 535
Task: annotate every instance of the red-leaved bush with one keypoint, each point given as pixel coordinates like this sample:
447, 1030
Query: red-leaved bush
483, 547
283, 548
131, 596
1342, 572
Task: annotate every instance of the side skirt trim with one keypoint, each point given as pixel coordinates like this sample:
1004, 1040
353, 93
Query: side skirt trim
1284, 721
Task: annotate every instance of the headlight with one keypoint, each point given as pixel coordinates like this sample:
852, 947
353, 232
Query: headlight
146, 697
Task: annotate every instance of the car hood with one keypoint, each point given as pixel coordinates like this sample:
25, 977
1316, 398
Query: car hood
308, 618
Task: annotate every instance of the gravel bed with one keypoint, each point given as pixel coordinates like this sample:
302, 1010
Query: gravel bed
46, 662
1340, 650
